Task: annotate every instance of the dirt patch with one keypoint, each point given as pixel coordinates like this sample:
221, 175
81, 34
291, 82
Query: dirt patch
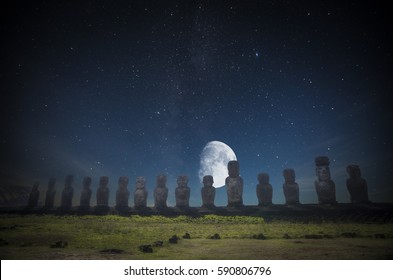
112, 251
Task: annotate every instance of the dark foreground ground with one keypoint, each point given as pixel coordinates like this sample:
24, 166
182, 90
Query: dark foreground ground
279, 232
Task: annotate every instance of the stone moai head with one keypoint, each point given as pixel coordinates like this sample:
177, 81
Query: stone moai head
86, 183
182, 181
233, 168
322, 168
35, 186
123, 182
104, 181
208, 181
51, 183
68, 181
161, 181
354, 171
289, 175
140, 182
263, 178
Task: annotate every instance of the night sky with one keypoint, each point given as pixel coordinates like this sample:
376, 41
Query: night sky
138, 88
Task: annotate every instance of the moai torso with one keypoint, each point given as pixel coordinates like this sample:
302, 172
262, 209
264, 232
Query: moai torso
182, 192
140, 194
50, 193
160, 192
356, 185
290, 187
264, 190
68, 192
325, 187
208, 192
122, 193
34, 195
103, 191
234, 185
86, 193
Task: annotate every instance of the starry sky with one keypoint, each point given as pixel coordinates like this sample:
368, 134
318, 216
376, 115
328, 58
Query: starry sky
138, 88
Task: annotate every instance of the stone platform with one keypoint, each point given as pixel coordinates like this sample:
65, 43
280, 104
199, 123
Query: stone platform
304, 213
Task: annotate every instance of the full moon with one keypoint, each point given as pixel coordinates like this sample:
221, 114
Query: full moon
214, 160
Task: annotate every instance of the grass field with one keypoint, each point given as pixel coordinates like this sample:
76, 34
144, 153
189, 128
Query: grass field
241, 237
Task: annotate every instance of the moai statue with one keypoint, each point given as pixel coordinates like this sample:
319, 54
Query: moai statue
122, 194
264, 190
34, 195
68, 192
356, 185
234, 184
50, 194
140, 194
208, 192
182, 192
160, 192
86, 193
103, 192
325, 187
290, 187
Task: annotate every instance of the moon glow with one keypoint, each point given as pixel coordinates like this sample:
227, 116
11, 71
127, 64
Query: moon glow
214, 160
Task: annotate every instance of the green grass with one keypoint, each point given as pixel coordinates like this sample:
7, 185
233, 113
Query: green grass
30, 237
